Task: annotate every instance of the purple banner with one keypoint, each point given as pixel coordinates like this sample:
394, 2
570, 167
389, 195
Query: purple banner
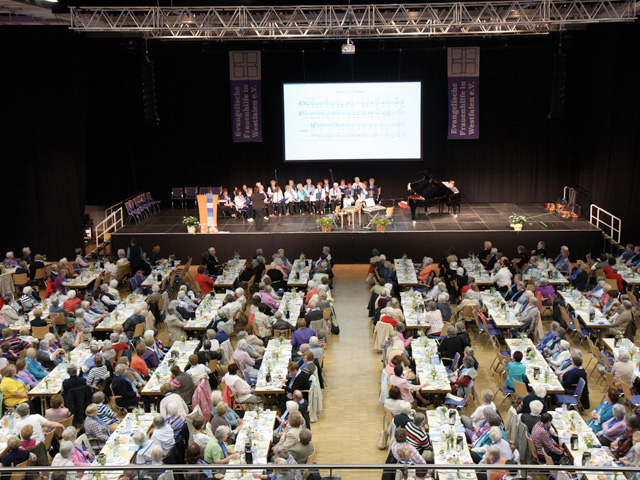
463, 68
246, 95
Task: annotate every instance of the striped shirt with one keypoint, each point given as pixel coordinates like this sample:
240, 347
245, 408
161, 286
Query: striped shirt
417, 437
96, 374
176, 422
106, 414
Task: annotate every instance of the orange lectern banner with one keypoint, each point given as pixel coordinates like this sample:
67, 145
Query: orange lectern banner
208, 211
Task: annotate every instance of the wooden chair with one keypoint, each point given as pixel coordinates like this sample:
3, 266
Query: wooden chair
521, 390
20, 280
139, 330
67, 422
18, 475
106, 276
40, 332
57, 319
311, 458
285, 333
532, 447
213, 365
48, 438
124, 271
613, 283
39, 275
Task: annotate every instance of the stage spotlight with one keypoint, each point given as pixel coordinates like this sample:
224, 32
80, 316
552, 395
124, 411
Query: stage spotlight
348, 48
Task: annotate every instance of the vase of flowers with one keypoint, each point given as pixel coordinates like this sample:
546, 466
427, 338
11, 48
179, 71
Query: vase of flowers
325, 223
381, 224
516, 221
191, 223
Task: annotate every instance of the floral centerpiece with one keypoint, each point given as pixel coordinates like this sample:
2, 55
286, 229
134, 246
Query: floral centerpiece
191, 223
325, 223
381, 224
516, 221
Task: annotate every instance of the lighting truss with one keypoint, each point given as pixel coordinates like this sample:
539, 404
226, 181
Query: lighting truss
484, 18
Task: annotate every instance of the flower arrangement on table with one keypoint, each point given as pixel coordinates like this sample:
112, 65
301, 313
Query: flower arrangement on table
516, 221
191, 223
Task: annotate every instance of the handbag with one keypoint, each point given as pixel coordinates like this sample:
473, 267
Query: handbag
335, 328
383, 439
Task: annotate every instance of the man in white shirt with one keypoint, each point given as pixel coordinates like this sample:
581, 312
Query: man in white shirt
162, 434
501, 276
36, 421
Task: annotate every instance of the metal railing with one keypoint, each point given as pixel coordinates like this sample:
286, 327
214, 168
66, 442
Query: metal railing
521, 471
112, 223
112, 209
607, 222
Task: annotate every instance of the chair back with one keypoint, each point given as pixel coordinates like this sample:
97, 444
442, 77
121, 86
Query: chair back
48, 439
123, 271
532, 447
628, 395
521, 389
139, 330
326, 313
613, 283
17, 474
67, 422
40, 332
548, 459
20, 279
579, 389
176, 192
455, 361
285, 333
389, 212
39, 275
58, 319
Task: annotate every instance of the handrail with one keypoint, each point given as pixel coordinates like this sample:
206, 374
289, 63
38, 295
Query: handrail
110, 224
612, 223
330, 466
110, 210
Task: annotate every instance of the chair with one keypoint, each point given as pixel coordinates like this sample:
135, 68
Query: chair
48, 439
629, 397
285, 333
67, 422
139, 330
20, 280
190, 193
177, 195
39, 275
613, 283
18, 475
532, 447
572, 400
454, 363
465, 401
521, 389
40, 332
123, 272
507, 391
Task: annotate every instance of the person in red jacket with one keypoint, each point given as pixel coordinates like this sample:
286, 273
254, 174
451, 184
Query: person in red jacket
206, 284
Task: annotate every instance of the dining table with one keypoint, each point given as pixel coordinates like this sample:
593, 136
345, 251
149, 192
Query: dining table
273, 369
178, 354
538, 370
405, 272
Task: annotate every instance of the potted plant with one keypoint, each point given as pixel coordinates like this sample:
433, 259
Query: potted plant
325, 223
516, 221
191, 223
381, 223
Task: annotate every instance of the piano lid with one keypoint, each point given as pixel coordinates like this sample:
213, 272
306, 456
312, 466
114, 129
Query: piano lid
428, 187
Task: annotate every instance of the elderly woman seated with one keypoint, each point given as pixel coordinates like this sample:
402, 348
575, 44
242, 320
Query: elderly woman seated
95, 428
497, 441
407, 389
561, 355
216, 451
62, 459
399, 444
614, 427
79, 456
623, 369
462, 378
434, 318
241, 355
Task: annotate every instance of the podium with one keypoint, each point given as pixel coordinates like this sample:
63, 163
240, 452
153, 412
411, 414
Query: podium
208, 211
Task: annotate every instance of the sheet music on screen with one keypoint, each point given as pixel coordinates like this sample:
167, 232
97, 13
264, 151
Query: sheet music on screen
352, 121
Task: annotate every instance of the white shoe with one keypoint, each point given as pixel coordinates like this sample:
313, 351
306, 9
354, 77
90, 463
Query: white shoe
266, 218
249, 219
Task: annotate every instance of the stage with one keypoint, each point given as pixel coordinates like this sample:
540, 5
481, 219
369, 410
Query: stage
428, 235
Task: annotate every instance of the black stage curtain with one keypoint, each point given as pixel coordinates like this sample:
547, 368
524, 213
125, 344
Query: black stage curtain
43, 134
73, 107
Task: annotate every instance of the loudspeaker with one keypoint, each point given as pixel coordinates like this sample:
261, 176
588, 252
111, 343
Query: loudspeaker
149, 93
558, 90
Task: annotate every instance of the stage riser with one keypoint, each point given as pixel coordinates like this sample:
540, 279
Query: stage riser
355, 247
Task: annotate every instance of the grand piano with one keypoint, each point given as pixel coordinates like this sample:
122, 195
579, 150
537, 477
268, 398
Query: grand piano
428, 192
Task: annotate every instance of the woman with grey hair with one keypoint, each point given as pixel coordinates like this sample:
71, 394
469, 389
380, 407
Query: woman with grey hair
434, 318
79, 456
143, 453
418, 436
62, 459
477, 417
614, 427
622, 370
241, 355
561, 355
217, 451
